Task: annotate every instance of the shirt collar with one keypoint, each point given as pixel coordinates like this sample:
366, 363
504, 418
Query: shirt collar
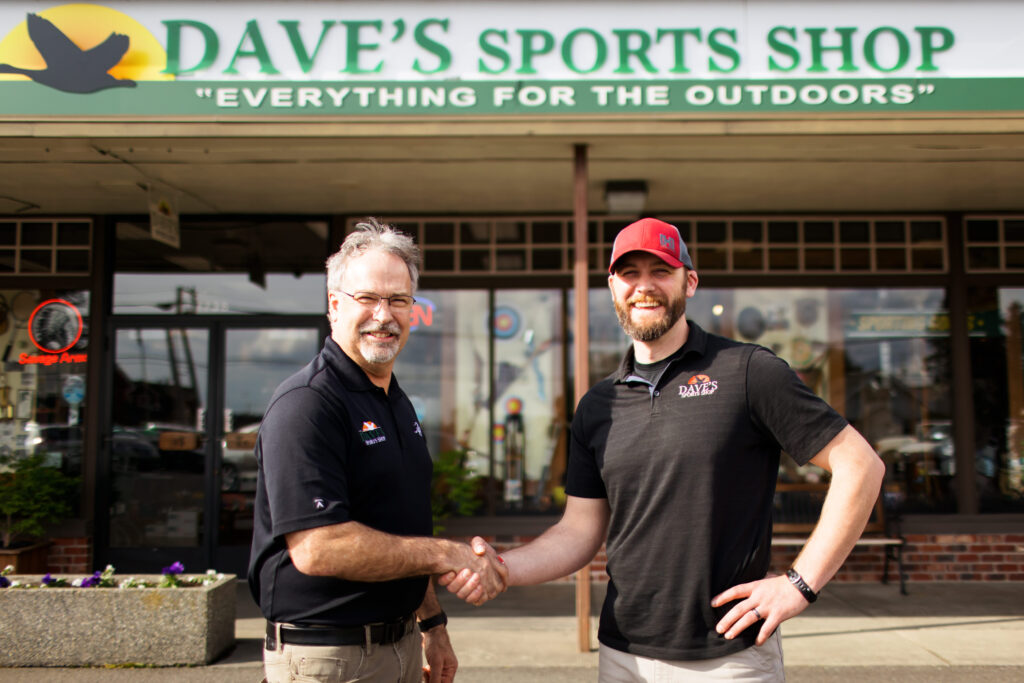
696, 343
355, 377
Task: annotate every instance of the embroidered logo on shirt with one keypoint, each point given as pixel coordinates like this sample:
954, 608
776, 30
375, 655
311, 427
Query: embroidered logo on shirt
416, 429
319, 503
371, 434
698, 385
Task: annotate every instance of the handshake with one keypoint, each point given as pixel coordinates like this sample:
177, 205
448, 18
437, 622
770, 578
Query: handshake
481, 574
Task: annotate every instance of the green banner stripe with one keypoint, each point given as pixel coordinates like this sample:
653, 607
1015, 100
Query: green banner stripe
452, 98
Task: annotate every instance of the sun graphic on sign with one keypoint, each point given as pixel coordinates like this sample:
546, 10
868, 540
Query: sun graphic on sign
96, 33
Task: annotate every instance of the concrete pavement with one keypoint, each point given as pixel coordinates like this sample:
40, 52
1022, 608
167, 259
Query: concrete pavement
855, 632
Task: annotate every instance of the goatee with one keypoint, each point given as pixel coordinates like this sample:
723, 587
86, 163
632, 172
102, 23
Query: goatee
376, 351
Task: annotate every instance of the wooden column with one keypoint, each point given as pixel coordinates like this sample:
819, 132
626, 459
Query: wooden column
581, 334
960, 350
1014, 375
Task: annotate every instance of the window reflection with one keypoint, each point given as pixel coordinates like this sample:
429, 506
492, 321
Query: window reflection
997, 364
218, 293
879, 356
512, 440
529, 405
243, 266
44, 340
158, 442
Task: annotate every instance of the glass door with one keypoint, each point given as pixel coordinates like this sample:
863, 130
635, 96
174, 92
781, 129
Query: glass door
186, 401
255, 361
157, 446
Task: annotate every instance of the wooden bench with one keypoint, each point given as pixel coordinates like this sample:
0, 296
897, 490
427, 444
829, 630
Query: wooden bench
797, 508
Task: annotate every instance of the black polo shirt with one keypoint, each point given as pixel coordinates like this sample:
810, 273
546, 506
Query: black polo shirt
334, 448
689, 469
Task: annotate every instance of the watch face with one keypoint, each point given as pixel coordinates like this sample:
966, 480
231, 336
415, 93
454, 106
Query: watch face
55, 326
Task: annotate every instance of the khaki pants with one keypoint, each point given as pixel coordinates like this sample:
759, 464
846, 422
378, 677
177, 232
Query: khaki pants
754, 665
400, 662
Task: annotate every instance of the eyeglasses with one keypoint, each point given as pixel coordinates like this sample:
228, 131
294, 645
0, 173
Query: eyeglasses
397, 302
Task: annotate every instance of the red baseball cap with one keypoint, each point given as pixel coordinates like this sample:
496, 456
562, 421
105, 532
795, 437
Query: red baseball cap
655, 237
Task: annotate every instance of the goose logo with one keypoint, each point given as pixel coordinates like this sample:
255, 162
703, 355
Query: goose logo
698, 385
82, 48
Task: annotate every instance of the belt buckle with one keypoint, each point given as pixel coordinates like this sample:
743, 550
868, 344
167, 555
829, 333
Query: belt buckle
273, 640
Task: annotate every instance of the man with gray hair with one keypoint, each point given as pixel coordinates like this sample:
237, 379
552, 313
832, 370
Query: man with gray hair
342, 557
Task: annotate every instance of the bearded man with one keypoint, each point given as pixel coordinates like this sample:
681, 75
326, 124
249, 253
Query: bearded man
674, 458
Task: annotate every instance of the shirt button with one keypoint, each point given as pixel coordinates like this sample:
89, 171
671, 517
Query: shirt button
657, 393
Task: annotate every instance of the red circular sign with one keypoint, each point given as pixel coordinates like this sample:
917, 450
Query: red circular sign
58, 328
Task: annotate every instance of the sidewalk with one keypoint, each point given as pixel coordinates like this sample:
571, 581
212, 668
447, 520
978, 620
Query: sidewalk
855, 632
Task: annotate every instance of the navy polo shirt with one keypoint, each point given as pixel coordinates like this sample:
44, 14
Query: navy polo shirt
689, 467
333, 448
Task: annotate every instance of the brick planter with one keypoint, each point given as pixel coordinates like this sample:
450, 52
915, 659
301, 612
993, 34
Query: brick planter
111, 626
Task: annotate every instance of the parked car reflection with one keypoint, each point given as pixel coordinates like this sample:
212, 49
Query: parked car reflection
238, 466
158, 446
132, 452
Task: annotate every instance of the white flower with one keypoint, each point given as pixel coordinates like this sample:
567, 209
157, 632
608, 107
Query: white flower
77, 583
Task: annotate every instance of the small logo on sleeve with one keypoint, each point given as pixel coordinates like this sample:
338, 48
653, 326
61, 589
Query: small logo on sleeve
698, 385
416, 429
319, 504
371, 434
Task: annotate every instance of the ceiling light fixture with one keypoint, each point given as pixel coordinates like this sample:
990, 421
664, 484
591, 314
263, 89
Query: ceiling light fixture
625, 197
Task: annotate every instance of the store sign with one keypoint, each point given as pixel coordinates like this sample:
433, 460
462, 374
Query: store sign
897, 324
329, 58
54, 327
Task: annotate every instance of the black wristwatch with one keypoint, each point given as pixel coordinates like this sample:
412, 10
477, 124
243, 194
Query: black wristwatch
439, 619
801, 585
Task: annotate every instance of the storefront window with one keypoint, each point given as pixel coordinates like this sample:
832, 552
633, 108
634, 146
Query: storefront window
223, 267
513, 439
44, 341
529, 404
997, 368
443, 370
879, 356
224, 293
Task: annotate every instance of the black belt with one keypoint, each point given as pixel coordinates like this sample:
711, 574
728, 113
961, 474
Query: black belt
380, 633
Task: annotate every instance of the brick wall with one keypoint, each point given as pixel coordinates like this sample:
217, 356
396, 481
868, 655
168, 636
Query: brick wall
964, 557
926, 557
70, 556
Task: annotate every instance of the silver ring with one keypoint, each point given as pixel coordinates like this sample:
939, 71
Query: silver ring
756, 613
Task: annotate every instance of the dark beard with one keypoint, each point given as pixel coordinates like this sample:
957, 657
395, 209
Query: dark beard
654, 330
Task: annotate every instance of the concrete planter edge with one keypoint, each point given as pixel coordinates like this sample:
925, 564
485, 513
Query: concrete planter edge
114, 626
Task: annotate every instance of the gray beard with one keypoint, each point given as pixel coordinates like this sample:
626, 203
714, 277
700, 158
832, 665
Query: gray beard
374, 352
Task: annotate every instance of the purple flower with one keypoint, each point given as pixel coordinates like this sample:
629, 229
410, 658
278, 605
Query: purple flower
91, 581
48, 579
4, 582
176, 568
